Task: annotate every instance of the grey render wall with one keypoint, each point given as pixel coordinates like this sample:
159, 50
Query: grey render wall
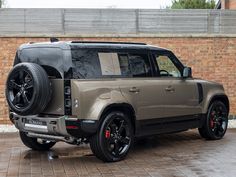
116, 22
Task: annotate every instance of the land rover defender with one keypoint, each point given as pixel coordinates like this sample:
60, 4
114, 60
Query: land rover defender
106, 94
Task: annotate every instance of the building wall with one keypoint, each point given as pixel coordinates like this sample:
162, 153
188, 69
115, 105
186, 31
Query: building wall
232, 4
211, 58
228, 4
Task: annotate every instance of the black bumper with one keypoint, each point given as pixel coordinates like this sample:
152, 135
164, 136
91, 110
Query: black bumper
81, 128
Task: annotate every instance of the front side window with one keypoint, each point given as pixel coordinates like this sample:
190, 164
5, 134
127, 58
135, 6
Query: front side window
167, 66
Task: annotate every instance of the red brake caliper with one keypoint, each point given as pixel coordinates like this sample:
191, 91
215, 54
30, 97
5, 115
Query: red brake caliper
212, 120
107, 134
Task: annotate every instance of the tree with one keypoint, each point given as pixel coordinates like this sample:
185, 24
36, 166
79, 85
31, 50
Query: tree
193, 4
2, 3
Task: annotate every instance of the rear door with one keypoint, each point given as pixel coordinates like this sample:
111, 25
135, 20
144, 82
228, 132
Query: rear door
138, 87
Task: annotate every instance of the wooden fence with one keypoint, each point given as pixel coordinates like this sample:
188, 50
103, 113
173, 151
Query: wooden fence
92, 22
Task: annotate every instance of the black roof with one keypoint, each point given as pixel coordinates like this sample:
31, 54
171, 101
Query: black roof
112, 45
91, 44
109, 42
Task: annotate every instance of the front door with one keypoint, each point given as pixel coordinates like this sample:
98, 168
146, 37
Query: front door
181, 95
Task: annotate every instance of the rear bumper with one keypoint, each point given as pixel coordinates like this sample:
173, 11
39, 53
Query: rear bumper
55, 126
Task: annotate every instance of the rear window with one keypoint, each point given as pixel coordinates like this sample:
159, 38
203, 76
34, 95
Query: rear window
96, 64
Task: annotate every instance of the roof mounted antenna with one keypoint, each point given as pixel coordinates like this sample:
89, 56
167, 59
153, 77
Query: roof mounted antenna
54, 39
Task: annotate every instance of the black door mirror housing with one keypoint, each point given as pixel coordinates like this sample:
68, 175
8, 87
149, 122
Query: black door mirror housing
187, 72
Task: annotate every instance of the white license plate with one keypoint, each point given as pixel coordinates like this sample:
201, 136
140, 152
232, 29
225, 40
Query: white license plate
34, 123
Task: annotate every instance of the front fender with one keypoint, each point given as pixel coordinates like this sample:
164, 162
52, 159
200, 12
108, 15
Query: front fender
211, 95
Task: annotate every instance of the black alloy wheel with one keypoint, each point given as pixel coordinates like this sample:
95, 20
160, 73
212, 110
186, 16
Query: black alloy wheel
28, 89
114, 139
117, 136
216, 122
21, 89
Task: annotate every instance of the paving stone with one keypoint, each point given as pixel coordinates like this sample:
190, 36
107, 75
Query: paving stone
181, 155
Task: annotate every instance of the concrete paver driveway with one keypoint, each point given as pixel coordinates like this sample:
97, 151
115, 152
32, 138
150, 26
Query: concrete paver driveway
181, 154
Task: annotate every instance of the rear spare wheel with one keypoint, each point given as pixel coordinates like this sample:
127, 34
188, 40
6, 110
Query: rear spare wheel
28, 89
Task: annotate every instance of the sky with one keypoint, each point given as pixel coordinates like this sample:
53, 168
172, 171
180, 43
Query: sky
147, 4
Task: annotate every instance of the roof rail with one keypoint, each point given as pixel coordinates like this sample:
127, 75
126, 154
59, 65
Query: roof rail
103, 42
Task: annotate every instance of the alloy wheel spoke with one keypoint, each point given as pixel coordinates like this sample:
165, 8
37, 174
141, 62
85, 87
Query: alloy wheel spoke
125, 140
113, 127
216, 131
14, 85
17, 98
221, 129
29, 85
122, 126
116, 148
25, 99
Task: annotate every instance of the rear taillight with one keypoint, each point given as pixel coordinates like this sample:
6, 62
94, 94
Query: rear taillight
67, 97
72, 127
76, 103
67, 90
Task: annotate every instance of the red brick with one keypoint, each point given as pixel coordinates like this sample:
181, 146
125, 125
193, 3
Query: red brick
210, 58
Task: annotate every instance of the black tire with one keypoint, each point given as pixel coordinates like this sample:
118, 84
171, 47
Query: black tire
35, 144
28, 89
216, 121
114, 138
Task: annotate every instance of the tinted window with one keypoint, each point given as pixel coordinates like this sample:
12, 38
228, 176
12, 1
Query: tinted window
86, 64
124, 64
140, 65
96, 64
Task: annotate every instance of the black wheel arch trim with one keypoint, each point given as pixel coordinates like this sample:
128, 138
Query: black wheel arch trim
123, 107
220, 97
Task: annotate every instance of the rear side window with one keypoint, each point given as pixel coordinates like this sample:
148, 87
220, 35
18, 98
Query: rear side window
86, 64
95, 64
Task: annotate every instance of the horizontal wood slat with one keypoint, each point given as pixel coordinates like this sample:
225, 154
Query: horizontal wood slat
116, 21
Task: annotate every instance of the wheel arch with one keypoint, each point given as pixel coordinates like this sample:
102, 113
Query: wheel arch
222, 98
123, 107
51, 71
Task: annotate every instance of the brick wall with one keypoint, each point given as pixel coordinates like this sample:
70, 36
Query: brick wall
210, 58
232, 4
228, 4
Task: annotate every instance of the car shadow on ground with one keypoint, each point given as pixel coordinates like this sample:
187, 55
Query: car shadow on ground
147, 145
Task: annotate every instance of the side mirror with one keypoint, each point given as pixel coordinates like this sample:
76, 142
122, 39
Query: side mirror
187, 72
